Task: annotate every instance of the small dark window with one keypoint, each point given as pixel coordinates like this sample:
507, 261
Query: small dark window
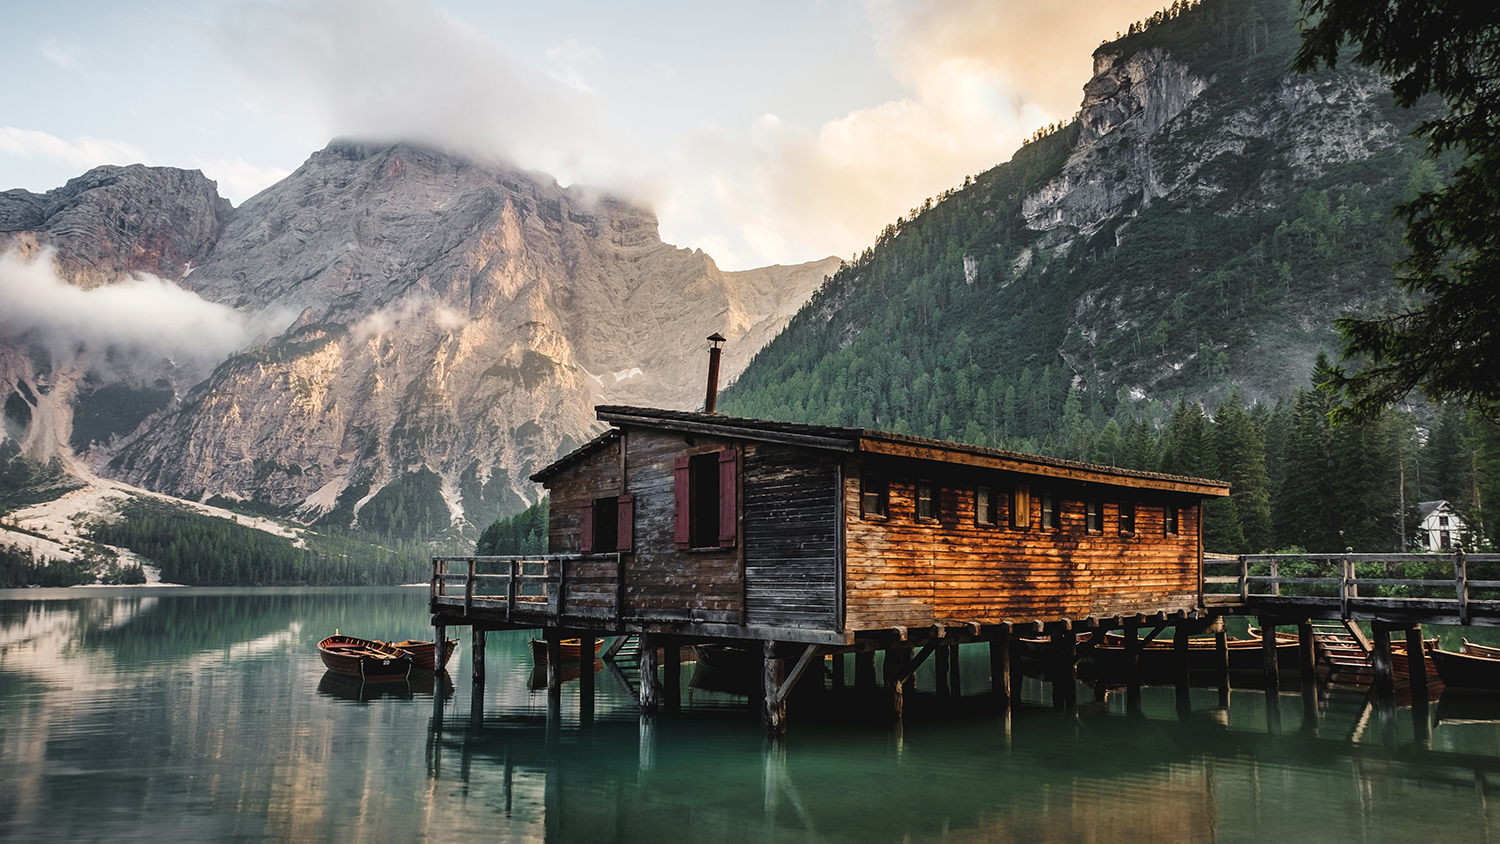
1127, 517
1049, 511
1093, 519
606, 524
926, 500
1442, 521
1445, 539
1170, 520
874, 496
984, 505
1020, 506
705, 489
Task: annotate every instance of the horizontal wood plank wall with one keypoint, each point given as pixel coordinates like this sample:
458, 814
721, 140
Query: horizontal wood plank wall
902, 572
595, 476
791, 535
661, 581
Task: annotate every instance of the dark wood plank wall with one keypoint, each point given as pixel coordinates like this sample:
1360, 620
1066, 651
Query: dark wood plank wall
791, 535
661, 581
590, 583
901, 572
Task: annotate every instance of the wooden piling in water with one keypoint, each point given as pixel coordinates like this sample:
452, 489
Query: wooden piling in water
953, 671
1307, 650
554, 661
864, 670
1268, 654
476, 661
773, 674
586, 663
1000, 668
647, 657
1380, 659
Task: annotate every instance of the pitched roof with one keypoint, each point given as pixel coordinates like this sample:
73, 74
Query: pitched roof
831, 438
1426, 508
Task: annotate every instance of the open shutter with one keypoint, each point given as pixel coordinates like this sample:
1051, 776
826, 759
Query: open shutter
586, 529
729, 478
625, 524
680, 489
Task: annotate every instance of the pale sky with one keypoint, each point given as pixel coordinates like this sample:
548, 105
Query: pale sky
770, 132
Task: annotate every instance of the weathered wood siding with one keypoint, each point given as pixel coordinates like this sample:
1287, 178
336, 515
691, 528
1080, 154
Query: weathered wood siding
589, 583
791, 524
661, 581
902, 572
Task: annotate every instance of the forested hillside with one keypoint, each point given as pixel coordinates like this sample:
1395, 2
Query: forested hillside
1124, 287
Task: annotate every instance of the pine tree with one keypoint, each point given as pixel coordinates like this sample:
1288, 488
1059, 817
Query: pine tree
1241, 459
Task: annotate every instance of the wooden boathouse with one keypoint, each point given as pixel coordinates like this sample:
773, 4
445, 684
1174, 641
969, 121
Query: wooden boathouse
800, 540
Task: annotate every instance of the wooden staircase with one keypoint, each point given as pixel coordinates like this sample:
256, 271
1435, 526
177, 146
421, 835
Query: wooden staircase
1342, 646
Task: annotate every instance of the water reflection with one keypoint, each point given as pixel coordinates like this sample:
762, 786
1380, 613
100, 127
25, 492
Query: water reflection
208, 715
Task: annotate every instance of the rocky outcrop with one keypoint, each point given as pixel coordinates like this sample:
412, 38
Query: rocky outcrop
426, 314
115, 221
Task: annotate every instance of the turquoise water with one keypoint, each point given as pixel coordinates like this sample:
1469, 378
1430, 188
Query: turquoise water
205, 715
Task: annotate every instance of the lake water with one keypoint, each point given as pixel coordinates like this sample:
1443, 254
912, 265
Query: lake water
206, 715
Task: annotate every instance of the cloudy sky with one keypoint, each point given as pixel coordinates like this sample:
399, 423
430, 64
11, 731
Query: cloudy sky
770, 132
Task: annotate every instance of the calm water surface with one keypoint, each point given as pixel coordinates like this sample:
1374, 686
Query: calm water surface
191, 714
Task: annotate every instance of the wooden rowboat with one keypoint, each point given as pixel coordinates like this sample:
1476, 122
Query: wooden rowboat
1476, 649
1467, 670
364, 658
422, 653
572, 650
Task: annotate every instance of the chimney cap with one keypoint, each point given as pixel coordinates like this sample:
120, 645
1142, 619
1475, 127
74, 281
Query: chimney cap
716, 337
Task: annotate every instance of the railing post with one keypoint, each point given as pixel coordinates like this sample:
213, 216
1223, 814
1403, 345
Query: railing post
1461, 583
510, 589
434, 590
1276, 577
468, 591
1346, 567
1244, 579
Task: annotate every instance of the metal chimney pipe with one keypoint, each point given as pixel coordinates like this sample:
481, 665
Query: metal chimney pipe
712, 399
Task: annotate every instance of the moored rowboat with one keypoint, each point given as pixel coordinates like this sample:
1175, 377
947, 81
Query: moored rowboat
422, 653
364, 658
572, 650
1478, 667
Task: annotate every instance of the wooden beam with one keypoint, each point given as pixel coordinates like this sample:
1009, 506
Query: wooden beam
773, 671
1268, 654
1000, 668
554, 661
614, 647
647, 656
1416, 662
810, 653
1380, 660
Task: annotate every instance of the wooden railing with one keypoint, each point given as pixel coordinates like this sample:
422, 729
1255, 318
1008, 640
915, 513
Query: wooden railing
1455, 580
529, 584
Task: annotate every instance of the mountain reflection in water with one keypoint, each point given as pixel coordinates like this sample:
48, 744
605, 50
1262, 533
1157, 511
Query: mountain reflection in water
144, 714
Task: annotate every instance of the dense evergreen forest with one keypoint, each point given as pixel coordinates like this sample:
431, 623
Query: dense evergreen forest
521, 534
200, 550
962, 323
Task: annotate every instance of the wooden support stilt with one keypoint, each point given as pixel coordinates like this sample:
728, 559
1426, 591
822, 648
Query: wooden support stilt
864, 670
1065, 672
772, 676
476, 660
439, 632
671, 673
953, 672
940, 663
554, 661
1221, 662
1180, 654
586, 663
1307, 651
1000, 669
895, 678
838, 671
1017, 674
1268, 655
1416, 664
647, 655
1380, 659
1132, 663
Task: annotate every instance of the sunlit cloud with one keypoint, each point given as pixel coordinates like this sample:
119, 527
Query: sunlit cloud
141, 315
65, 56
82, 152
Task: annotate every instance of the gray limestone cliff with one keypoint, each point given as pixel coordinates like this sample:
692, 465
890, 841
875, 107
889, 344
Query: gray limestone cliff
436, 322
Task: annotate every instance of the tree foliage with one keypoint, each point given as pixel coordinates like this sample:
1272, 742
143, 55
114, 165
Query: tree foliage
1445, 343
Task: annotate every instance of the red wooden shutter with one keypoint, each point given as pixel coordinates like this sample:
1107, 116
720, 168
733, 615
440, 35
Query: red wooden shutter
625, 524
729, 477
681, 493
586, 529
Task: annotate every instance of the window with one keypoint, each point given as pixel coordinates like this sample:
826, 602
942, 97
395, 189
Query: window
706, 488
1049, 511
1127, 517
984, 506
926, 500
1020, 506
1170, 519
1446, 539
874, 497
607, 525
1093, 518
1442, 521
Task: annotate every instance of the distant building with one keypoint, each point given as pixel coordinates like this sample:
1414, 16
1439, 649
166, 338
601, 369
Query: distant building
1441, 528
